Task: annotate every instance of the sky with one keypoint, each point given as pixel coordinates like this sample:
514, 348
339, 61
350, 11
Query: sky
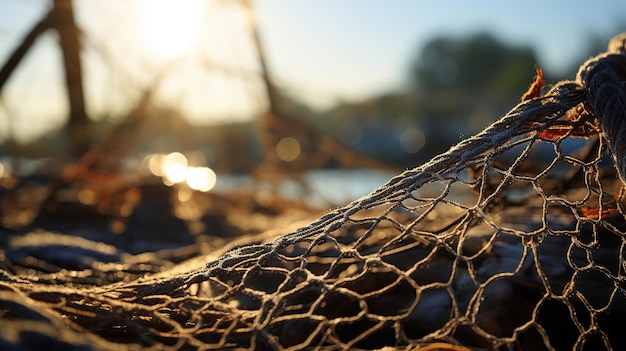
359, 46
321, 51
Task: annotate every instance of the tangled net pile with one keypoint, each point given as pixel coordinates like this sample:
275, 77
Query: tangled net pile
514, 239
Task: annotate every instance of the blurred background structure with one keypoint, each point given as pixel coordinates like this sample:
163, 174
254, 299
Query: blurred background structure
208, 93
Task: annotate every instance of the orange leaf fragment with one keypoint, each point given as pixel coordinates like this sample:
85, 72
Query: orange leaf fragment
534, 90
554, 133
594, 213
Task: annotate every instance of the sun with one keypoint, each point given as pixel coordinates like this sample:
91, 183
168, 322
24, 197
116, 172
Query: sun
170, 28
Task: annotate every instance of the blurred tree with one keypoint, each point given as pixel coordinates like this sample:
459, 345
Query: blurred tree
467, 82
61, 19
79, 125
478, 63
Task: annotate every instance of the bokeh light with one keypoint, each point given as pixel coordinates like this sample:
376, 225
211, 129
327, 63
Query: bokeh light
201, 178
175, 167
155, 164
288, 149
412, 140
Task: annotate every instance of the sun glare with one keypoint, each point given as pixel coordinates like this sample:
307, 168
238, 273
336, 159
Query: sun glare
171, 27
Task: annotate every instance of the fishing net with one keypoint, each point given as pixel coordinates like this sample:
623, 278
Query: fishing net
514, 239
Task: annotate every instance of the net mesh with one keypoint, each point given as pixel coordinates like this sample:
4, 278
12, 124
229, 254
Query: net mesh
512, 240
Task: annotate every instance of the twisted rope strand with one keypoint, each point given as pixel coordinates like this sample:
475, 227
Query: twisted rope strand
603, 76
